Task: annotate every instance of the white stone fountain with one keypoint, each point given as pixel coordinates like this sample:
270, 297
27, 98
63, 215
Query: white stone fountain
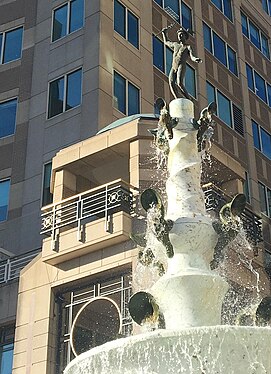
189, 295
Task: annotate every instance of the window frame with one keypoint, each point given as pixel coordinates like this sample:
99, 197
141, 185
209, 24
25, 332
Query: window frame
268, 6
68, 3
43, 180
259, 135
267, 86
267, 205
65, 76
15, 125
2, 50
127, 81
261, 34
179, 21
223, 10
8, 197
211, 33
126, 24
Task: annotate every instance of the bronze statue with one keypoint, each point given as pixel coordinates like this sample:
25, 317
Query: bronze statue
181, 53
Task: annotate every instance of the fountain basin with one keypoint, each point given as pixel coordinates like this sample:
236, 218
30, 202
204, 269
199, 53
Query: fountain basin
197, 350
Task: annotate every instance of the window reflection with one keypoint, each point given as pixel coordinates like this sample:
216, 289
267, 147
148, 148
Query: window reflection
13, 45
8, 111
76, 15
4, 199
133, 99
74, 89
119, 93
60, 22
56, 97
119, 18
224, 109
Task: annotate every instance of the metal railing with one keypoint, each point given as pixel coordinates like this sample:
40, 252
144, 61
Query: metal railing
216, 198
100, 202
10, 269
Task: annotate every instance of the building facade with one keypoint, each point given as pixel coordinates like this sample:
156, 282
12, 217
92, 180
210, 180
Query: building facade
71, 69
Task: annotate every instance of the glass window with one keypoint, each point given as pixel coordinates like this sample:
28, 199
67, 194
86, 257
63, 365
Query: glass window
158, 54
133, 29
218, 3
119, 93
219, 49
186, 17
265, 6
4, 199
228, 9
56, 97
256, 136
158, 2
265, 47
207, 38
74, 89
250, 79
133, 99
190, 81
244, 25
224, 109
47, 196
246, 187
6, 358
269, 201
232, 61
8, 111
266, 143
210, 93
263, 200
169, 57
119, 18
76, 15
60, 22
269, 93
254, 35
13, 45
260, 86
174, 5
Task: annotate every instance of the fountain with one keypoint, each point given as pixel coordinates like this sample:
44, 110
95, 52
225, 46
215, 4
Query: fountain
183, 307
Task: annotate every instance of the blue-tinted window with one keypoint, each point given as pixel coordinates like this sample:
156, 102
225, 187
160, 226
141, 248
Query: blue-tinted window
207, 38
265, 6
169, 57
232, 61
190, 81
174, 5
68, 18
60, 22
218, 3
119, 18
260, 87
269, 94
158, 54
186, 17
133, 99
228, 9
256, 135
8, 111
47, 196
224, 109
4, 199
6, 358
244, 25
219, 49
250, 80
1, 41
133, 29
13, 45
76, 15
119, 93
266, 143
159, 2
56, 97
263, 198
210, 93
255, 35
265, 46
74, 89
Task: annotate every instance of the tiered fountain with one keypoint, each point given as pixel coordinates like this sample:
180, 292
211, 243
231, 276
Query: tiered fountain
186, 301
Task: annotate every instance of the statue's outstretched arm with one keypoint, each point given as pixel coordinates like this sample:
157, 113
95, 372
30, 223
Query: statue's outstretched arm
194, 58
167, 42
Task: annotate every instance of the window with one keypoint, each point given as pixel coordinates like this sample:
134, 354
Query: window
267, 6
262, 139
162, 59
68, 18
126, 23
182, 11
246, 187
224, 53
11, 45
65, 93
4, 199
47, 196
255, 35
8, 111
6, 349
258, 85
226, 110
225, 7
126, 96
265, 199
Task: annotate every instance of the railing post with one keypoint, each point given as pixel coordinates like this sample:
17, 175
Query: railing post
54, 230
79, 213
7, 270
106, 210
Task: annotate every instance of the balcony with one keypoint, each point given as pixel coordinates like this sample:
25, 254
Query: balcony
216, 198
92, 220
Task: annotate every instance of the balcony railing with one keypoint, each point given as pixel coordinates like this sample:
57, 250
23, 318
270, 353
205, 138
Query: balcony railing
10, 268
100, 202
215, 199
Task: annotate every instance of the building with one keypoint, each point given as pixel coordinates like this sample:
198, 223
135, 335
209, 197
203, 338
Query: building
69, 69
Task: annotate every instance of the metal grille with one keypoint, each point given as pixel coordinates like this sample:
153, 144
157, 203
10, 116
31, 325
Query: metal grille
215, 199
10, 269
238, 120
